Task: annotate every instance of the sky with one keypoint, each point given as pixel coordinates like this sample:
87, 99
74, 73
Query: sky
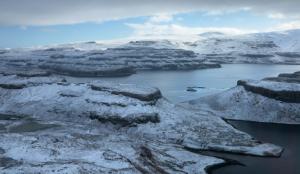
28, 23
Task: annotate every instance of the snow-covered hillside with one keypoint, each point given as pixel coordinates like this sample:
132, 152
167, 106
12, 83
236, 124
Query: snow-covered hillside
275, 99
92, 59
51, 126
265, 48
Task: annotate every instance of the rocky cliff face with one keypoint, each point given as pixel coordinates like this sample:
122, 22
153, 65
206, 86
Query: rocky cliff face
288, 94
51, 126
274, 99
119, 61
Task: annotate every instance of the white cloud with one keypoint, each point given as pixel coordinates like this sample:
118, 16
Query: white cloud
150, 30
52, 12
276, 16
287, 26
161, 26
161, 18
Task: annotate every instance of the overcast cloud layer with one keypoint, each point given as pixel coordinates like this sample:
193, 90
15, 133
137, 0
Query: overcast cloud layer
52, 12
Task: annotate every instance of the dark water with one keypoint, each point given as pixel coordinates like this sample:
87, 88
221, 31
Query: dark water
173, 84
286, 136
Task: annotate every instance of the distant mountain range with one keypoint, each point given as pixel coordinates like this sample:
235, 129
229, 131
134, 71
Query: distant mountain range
265, 48
259, 48
119, 59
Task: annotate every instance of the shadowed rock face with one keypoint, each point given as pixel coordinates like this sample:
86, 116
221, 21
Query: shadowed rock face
274, 99
20, 82
103, 127
285, 87
284, 95
287, 78
137, 118
142, 93
289, 54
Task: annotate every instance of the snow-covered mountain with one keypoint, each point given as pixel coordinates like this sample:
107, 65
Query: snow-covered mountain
272, 47
265, 48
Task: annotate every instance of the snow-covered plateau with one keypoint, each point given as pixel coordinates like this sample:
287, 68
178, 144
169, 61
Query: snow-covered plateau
77, 60
274, 100
48, 125
257, 48
209, 50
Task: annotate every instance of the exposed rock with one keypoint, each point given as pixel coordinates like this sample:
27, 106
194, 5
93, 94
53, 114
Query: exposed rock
70, 93
6, 162
189, 89
194, 88
289, 54
288, 92
12, 86
288, 78
88, 71
257, 55
29, 126
12, 116
26, 73
17, 82
137, 118
2, 151
139, 92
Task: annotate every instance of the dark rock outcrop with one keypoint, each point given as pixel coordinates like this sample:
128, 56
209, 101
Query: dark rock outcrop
289, 96
147, 94
137, 118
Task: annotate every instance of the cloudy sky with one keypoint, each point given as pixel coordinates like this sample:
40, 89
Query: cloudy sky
25, 23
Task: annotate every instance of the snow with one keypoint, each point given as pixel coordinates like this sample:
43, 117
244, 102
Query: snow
126, 128
275, 86
93, 61
274, 100
96, 59
79, 143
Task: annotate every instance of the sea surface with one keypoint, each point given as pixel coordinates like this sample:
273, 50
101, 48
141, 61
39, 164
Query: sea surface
174, 84
286, 136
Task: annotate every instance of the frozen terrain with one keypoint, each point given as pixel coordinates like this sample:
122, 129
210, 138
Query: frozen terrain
48, 125
274, 99
259, 48
94, 59
264, 48
91, 60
